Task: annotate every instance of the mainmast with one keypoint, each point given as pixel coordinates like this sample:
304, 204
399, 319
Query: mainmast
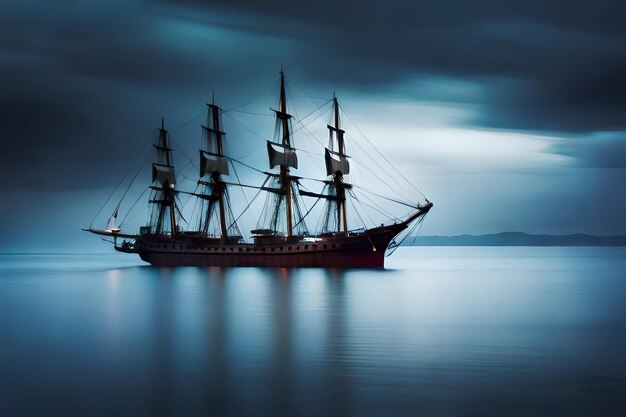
337, 165
283, 154
213, 164
164, 175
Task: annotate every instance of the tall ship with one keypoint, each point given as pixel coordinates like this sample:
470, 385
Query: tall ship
282, 238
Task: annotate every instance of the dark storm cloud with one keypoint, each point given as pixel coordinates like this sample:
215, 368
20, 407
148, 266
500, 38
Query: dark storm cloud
546, 66
113, 41
83, 80
82, 86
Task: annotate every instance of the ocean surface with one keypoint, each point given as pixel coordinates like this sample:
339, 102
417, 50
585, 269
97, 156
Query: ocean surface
443, 331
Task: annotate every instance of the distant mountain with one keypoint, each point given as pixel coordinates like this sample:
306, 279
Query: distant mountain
518, 239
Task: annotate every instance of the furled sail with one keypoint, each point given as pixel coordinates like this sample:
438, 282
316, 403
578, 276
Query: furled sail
281, 155
164, 174
336, 162
211, 162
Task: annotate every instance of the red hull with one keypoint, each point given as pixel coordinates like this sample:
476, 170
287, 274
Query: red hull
329, 259
357, 250
364, 250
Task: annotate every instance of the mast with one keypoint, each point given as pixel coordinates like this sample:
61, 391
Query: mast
283, 155
213, 163
284, 169
164, 174
337, 165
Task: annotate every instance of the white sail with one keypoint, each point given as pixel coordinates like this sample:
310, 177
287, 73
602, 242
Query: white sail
112, 222
214, 164
281, 155
164, 174
336, 163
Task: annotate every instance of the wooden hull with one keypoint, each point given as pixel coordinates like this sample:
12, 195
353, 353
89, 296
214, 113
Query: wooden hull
332, 259
357, 250
364, 250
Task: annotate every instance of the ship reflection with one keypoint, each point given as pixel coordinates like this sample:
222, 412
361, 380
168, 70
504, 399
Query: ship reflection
208, 353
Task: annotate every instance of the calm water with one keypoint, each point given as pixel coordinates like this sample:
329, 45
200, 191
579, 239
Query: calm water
442, 332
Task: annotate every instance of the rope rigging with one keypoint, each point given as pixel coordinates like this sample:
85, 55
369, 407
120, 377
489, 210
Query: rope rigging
386, 198
395, 245
299, 124
148, 141
372, 172
308, 211
133, 206
378, 208
357, 212
250, 203
381, 154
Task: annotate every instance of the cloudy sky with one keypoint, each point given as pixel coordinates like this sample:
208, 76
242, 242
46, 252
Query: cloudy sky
509, 116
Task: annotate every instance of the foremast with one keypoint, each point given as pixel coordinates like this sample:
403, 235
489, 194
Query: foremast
285, 179
163, 218
337, 165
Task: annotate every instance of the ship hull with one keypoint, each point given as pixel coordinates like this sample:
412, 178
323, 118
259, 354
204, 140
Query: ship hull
330, 259
365, 250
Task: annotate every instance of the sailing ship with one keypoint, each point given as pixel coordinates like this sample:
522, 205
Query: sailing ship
282, 238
